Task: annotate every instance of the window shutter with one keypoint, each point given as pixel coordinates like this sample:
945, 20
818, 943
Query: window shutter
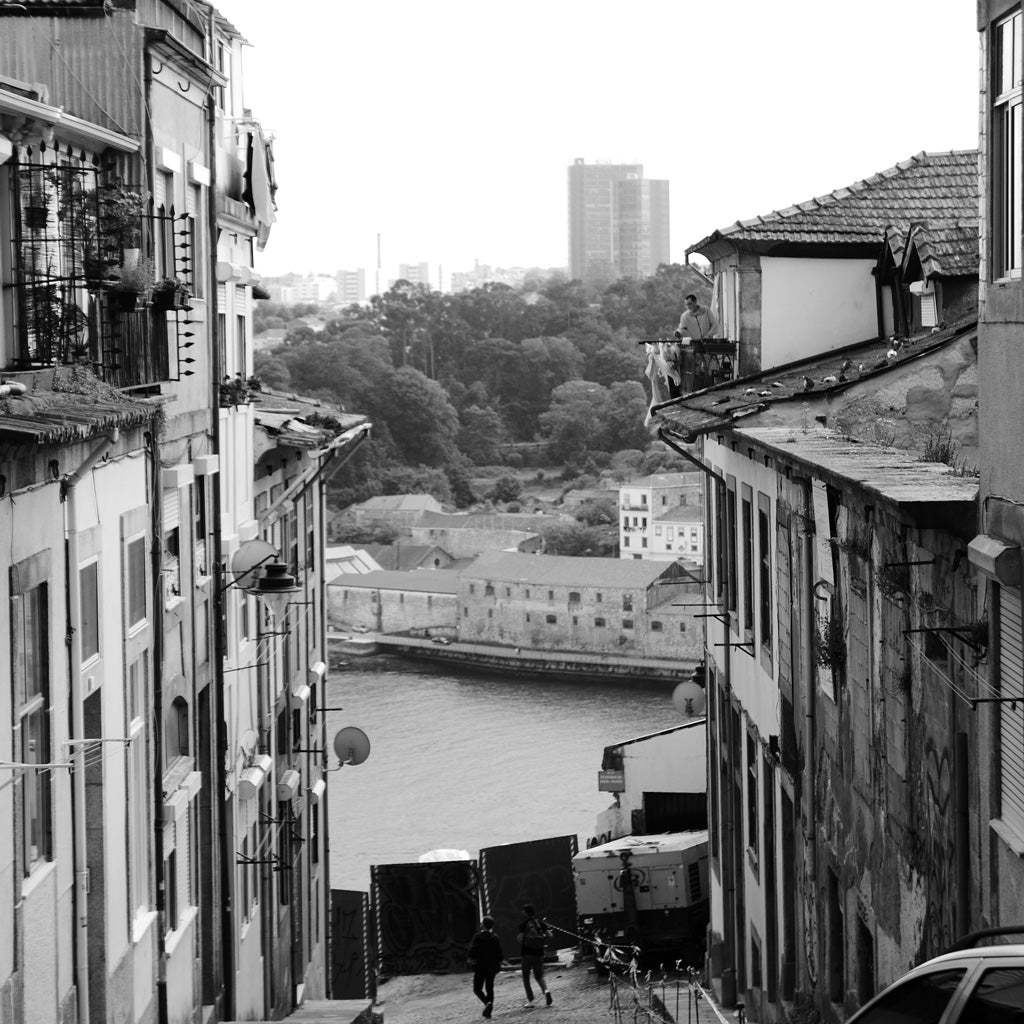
929, 317
1011, 716
159, 190
172, 508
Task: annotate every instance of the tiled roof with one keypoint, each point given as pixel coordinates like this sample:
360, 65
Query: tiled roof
937, 189
564, 571
301, 422
424, 581
946, 249
79, 407
891, 473
727, 405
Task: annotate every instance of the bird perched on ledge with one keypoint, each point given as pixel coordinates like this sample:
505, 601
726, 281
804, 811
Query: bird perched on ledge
808, 383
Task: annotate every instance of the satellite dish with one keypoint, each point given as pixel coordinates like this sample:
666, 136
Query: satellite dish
248, 561
689, 699
351, 745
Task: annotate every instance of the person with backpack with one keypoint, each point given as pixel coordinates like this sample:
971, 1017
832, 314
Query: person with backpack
485, 956
532, 933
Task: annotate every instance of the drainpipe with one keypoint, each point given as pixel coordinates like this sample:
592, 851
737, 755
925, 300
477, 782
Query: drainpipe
77, 753
221, 827
807, 673
726, 841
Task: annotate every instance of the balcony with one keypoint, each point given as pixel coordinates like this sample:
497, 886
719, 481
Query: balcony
707, 363
80, 283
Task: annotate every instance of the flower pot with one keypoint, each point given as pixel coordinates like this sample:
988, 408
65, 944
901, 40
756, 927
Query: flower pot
170, 298
125, 301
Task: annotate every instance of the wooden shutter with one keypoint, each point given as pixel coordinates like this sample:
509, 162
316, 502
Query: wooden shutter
1011, 716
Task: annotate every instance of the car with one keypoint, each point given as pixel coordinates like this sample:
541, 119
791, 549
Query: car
360, 629
972, 982
441, 640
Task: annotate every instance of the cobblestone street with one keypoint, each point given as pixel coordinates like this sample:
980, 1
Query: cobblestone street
580, 996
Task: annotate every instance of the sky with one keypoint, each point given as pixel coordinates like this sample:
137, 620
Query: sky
446, 128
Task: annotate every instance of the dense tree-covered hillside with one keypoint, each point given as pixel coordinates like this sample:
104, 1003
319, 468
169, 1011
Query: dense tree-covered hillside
452, 381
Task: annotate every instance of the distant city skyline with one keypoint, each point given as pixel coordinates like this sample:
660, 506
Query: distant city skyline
749, 108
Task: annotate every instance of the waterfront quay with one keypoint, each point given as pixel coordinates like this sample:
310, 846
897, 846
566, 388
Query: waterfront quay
523, 661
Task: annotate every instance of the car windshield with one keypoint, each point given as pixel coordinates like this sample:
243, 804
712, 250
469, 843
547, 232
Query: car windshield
920, 1000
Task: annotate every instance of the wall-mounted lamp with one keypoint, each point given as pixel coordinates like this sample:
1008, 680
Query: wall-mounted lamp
276, 587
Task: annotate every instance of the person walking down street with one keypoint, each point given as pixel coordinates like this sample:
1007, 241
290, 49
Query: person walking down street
532, 933
697, 322
485, 957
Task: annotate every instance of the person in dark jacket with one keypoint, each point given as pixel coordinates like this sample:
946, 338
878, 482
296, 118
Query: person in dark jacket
532, 933
485, 957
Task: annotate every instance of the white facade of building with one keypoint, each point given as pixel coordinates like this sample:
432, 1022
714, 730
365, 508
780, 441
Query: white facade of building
661, 518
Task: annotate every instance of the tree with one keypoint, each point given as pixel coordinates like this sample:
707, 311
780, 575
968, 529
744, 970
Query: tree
574, 419
481, 435
421, 420
272, 371
506, 488
624, 413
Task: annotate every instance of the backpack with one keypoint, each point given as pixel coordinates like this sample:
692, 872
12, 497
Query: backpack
533, 935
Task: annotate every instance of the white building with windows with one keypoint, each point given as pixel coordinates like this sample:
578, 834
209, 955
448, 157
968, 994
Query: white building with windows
661, 518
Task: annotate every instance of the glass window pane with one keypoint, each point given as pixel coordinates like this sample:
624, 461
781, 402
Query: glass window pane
136, 581
998, 998
90, 623
919, 1001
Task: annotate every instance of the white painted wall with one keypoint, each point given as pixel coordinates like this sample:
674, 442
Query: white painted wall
814, 305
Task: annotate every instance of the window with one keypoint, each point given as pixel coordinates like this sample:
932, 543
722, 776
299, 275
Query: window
996, 996
134, 571
31, 665
627, 623
89, 610
748, 564
176, 730
527, 594
472, 588
627, 602
670, 533
625, 542
199, 529
599, 599
752, 795
1007, 172
922, 998
731, 576
551, 619
489, 590
240, 346
657, 531
574, 597
656, 627
765, 561
138, 788
599, 623
171, 890
508, 591
551, 595
643, 542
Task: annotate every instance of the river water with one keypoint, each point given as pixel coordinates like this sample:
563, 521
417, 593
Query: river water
464, 761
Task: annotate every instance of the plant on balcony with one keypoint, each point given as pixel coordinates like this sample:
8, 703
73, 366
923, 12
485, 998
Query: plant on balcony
121, 211
130, 283
171, 293
239, 390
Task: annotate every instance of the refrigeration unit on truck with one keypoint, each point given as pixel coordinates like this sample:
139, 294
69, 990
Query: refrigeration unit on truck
647, 891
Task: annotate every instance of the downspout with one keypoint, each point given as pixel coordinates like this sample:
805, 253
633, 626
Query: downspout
724, 721
77, 753
219, 726
807, 672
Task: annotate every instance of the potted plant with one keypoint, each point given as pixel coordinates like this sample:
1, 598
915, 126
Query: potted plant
35, 211
130, 283
239, 390
121, 212
171, 293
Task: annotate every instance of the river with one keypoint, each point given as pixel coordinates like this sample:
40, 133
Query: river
466, 761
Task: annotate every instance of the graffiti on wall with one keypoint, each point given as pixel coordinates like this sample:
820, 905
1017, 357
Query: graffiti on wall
938, 860
351, 945
426, 915
537, 872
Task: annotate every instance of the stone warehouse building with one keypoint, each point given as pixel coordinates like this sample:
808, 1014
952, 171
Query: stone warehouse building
391, 601
549, 602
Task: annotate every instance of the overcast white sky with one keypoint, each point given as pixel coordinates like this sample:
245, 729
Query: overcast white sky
447, 126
